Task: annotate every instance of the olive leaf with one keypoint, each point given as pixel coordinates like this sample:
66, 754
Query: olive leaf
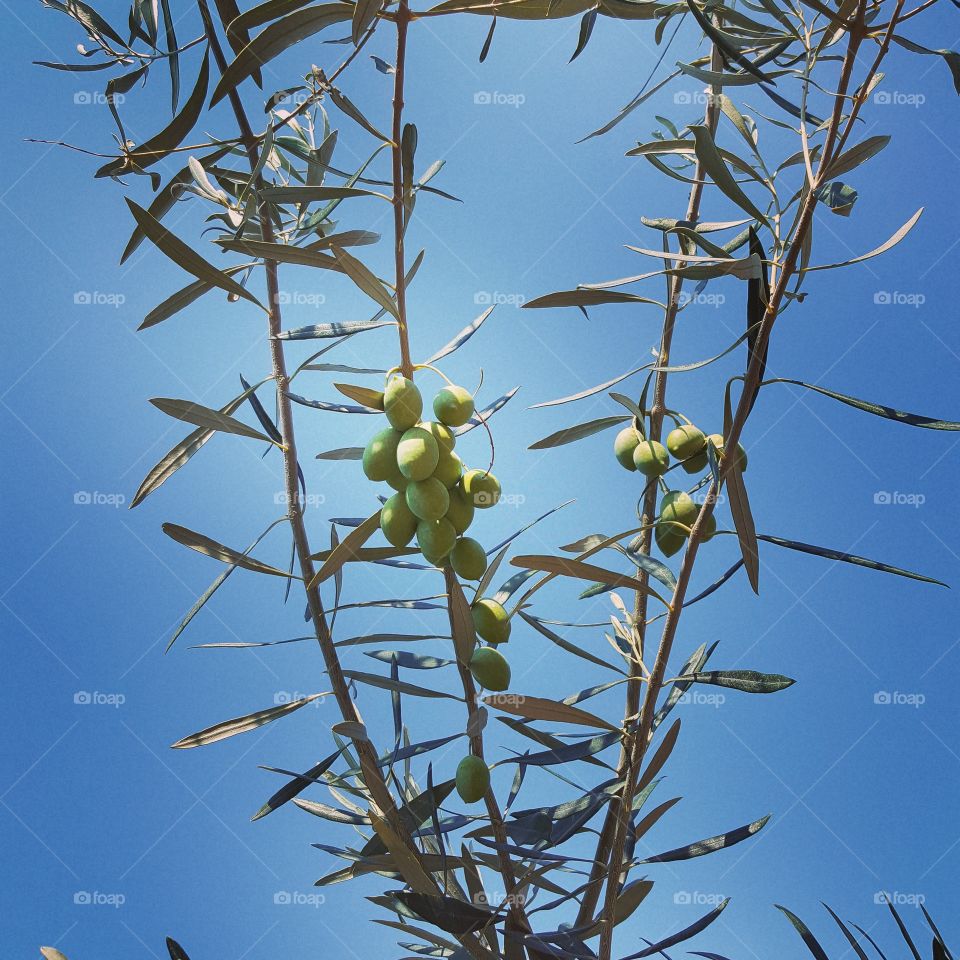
205, 417
210, 548
537, 708
749, 681
230, 728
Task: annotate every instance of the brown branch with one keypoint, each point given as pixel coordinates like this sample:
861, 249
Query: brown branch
399, 210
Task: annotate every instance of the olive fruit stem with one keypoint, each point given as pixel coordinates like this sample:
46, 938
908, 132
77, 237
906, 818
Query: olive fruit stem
494, 812
399, 209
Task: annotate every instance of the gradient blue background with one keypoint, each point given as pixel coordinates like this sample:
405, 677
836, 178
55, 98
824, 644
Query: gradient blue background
864, 796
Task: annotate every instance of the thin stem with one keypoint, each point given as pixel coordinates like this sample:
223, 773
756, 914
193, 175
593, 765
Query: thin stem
369, 761
399, 201
657, 413
507, 872
744, 406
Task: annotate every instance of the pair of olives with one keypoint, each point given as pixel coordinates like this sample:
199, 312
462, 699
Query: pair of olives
686, 443
678, 513
491, 670
436, 495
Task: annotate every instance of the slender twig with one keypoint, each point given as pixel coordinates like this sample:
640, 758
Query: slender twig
399, 211
658, 410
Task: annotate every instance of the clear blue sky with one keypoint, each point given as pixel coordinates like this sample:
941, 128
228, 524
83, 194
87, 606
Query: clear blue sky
93, 801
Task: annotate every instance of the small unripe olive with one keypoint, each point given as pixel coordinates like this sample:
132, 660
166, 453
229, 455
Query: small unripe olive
717, 440
686, 441
651, 458
397, 522
473, 779
402, 402
427, 499
436, 539
670, 537
491, 620
482, 488
441, 433
680, 507
453, 406
490, 669
624, 444
709, 528
697, 463
380, 454
460, 510
417, 454
468, 559
449, 468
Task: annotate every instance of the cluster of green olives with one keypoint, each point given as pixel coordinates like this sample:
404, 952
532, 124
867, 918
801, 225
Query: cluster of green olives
686, 443
436, 496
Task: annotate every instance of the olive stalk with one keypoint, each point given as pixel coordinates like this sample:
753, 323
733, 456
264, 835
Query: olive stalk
369, 761
658, 411
752, 383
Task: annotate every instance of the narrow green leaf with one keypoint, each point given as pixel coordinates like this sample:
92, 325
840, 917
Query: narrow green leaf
205, 417
217, 551
230, 728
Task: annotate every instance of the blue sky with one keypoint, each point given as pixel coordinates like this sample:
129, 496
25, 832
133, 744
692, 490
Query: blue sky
93, 804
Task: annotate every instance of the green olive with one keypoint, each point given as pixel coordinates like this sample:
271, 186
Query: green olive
651, 458
436, 539
697, 463
468, 559
709, 528
670, 537
449, 468
490, 669
460, 512
402, 402
427, 499
680, 507
397, 522
482, 488
453, 406
491, 621
441, 433
717, 440
473, 779
417, 454
380, 454
686, 441
624, 444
